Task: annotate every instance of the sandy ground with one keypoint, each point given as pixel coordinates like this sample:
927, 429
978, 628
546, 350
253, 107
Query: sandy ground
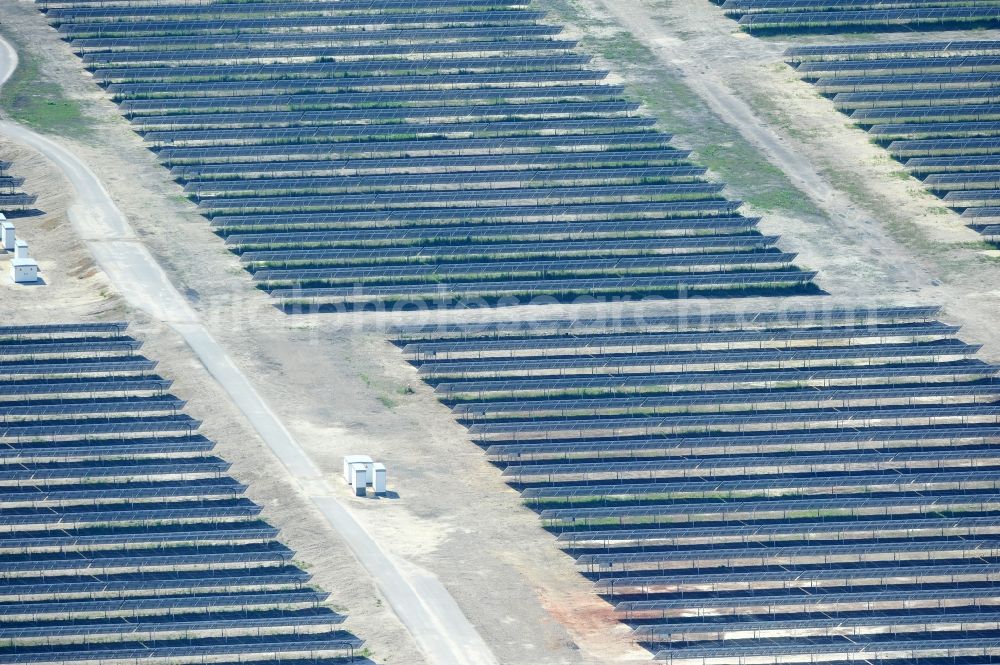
342, 388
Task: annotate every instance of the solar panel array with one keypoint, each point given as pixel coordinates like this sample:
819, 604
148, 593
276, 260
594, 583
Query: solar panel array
782, 487
122, 537
448, 151
12, 197
793, 16
935, 106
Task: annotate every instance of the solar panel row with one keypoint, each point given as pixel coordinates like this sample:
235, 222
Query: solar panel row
282, 54
794, 16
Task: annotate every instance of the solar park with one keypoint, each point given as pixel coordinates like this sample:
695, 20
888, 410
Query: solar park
796, 487
124, 539
365, 154
781, 487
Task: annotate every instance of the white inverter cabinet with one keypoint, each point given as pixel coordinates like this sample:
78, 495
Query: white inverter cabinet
378, 483
360, 472
24, 271
7, 236
354, 459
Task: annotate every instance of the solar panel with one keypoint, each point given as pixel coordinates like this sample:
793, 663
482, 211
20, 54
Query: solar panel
179, 423
748, 465
484, 411
391, 131
361, 166
120, 385
827, 599
801, 509
890, 66
354, 83
472, 198
660, 284
754, 535
176, 513
110, 491
117, 328
337, 644
129, 606
400, 149
171, 405
259, 9
498, 111
699, 263
384, 36
113, 366
336, 69
347, 100
622, 333
137, 28
644, 426
884, 483
150, 560
84, 540
870, 20
868, 650
677, 245
718, 444
878, 49
941, 147
286, 54
190, 624
690, 360
443, 181
707, 214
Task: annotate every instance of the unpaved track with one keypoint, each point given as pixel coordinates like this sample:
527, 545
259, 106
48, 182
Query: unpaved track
430, 614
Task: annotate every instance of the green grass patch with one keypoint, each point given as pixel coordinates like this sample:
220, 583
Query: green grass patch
776, 199
386, 391
32, 99
388, 402
624, 48
978, 246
